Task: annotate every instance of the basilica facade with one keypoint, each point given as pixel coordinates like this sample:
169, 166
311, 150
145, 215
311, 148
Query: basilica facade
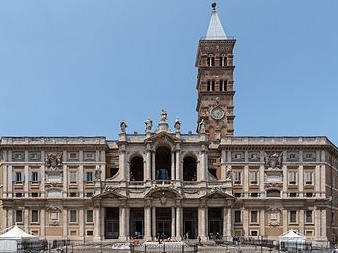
169, 184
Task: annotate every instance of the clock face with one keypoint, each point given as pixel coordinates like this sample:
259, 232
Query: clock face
217, 113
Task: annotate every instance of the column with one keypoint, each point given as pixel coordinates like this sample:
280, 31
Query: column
122, 162
229, 224
285, 220
203, 165
82, 221
323, 225
173, 222
201, 225
316, 214
97, 228
64, 223
172, 176
26, 213
301, 181
123, 222
223, 163
153, 222
246, 221
42, 219
153, 166
262, 222
225, 223
178, 234
301, 221
178, 167
148, 164
147, 223
26, 180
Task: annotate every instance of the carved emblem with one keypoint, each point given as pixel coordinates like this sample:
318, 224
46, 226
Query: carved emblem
273, 161
53, 160
274, 216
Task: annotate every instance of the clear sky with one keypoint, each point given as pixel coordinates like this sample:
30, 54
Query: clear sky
79, 67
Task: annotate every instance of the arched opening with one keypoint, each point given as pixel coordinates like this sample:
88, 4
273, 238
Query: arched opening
136, 169
189, 169
211, 60
163, 163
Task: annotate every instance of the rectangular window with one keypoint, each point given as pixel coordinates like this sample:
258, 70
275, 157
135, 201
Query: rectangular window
308, 216
237, 177
292, 177
293, 216
238, 216
73, 156
308, 177
89, 176
18, 216
90, 216
89, 232
18, 176
72, 216
72, 194
254, 194
73, 177
18, 194
89, 194
254, 233
89, 155
35, 176
253, 177
35, 215
35, 194
254, 216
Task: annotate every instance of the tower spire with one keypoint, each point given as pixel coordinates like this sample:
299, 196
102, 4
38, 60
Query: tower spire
215, 29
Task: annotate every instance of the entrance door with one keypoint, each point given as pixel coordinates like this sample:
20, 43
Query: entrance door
163, 223
112, 223
215, 224
190, 222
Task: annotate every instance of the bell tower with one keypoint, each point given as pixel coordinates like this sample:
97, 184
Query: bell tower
215, 80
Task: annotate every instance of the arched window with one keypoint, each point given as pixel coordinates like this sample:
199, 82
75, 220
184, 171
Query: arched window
222, 85
211, 85
136, 169
211, 60
163, 164
223, 60
189, 169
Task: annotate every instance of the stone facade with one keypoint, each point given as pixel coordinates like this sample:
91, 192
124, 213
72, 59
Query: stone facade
164, 183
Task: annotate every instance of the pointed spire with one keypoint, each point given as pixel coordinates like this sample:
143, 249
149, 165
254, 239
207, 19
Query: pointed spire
215, 29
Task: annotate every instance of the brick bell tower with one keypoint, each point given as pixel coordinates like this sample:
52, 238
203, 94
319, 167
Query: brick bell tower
215, 80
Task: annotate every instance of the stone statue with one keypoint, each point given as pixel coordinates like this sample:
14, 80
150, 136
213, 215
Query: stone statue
228, 174
98, 173
163, 116
201, 127
177, 124
123, 126
149, 124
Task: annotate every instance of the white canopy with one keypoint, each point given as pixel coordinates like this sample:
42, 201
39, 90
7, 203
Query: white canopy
16, 233
292, 235
10, 239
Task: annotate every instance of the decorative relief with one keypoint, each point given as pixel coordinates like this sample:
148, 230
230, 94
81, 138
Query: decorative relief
54, 160
54, 213
273, 161
274, 216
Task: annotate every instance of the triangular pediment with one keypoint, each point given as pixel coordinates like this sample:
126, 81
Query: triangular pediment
163, 137
161, 192
217, 194
109, 193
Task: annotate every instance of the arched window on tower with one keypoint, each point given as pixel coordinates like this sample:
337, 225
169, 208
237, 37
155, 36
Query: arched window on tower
223, 60
223, 85
189, 169
211, 60
211, 85
136, 169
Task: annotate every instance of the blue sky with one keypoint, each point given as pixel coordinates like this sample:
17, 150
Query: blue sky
79, 67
